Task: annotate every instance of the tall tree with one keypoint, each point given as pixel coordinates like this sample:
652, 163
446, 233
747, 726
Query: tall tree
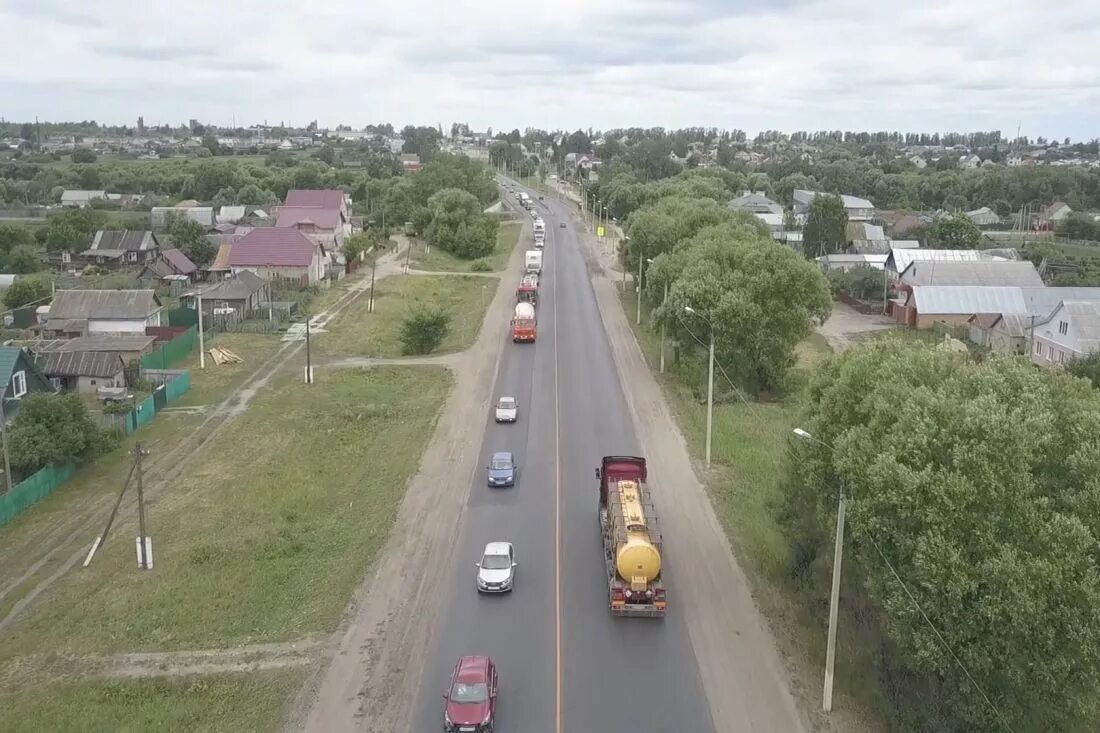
826, 229
954, 231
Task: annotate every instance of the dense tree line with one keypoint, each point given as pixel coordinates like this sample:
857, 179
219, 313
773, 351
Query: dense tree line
975, 482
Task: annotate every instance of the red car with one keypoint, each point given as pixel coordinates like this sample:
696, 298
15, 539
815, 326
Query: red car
471, 697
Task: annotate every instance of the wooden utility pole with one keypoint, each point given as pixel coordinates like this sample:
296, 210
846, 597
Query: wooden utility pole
145, 543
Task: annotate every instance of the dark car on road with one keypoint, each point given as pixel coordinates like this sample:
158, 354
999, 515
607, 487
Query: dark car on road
471, 697
502, 470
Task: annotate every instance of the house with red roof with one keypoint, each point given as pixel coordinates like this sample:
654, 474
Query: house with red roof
322, 215
279, 253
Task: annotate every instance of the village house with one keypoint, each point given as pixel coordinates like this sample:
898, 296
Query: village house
128, 346
1071, 331
172, 267
755, 202
323, 226
858, 209
158, 216
1051, 215
82, 371
88, 312
81, 199
243, 293
983, 217
1006, 334
127, 247
924, 305
978, 272
230, 214
276, 253
20, 377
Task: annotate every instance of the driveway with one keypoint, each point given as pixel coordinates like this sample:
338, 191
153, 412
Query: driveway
847, 326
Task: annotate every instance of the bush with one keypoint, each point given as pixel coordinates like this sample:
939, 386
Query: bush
424, 329
53, 430
481, 266
861, 283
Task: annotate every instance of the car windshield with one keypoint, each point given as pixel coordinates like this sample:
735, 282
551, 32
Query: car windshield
502, 462
466, 693
507, 404
495, 562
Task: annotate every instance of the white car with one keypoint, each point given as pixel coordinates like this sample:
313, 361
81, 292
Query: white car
497, 570
507, 409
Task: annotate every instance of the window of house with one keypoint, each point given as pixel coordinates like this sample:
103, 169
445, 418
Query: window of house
1061, 357
1039, 349
1063, 327
18, 384
92, 381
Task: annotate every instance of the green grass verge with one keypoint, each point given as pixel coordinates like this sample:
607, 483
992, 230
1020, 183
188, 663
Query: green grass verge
214, 383
355, 332
238, 702
748, 457
267, 534
439, 261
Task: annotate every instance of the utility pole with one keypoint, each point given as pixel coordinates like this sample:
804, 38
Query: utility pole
110, 520
638, 319
663, 302
373, 270
145, 543
710, 394
309, 356
834, 604
408, 254
202, 341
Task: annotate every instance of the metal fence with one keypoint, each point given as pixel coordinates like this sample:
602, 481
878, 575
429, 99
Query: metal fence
170, 352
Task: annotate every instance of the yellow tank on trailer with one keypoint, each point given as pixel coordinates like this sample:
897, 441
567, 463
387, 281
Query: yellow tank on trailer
636, 560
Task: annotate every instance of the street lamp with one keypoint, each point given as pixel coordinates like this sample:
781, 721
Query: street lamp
625, 249
664, 300
710, 378
834, 596
638, 319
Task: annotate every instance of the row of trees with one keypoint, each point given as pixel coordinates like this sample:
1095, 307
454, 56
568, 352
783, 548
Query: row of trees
974, 531
761, 299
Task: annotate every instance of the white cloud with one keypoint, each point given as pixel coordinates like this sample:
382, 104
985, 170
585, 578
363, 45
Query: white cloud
794, 64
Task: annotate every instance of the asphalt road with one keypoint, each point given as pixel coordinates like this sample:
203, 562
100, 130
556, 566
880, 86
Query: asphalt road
566, 665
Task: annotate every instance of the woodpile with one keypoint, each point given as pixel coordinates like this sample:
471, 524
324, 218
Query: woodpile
224, 356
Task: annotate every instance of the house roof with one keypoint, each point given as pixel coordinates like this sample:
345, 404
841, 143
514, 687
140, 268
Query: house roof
179, 261
753, 201
901, 257
239, 287
325, 198
221, 260
111, 243
985, 320
79, 363
858, 230
230, 214
870, 260
1085, 316
769, 219
979, 272
273, 246
103, 304
76, 195
850, 202
290, 216
933, 300
9, 360
100, 342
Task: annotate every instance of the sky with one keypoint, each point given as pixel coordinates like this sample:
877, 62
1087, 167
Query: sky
908, 65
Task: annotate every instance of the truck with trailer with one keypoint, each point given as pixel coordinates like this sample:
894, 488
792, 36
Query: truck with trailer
540, 227
524, 324
631, 538
532, 260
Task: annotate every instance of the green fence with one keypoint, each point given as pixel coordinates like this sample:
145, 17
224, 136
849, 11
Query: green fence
177, 387
183, 317
31, 489
172, 351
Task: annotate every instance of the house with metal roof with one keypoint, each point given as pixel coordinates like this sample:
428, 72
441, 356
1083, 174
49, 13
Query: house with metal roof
858, 209
89, 312
1071, 331
127, 247
324, 226
900, 258
230, 214
828, 263
976, 272
80, 199
1007, 334
755, 202
983, 217
20, 377
82, 371
129, 346
955, 304
276, 253
158, 216
244, 292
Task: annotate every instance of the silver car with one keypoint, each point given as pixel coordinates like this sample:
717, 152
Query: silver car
497, 570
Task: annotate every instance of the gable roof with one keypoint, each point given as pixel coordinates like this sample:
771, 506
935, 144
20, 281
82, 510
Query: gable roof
230, 214
179, 261
221, 260
103, 304
80, 363
10, 359
900, 258
328, 198
290, 216
755, 201
979, 272
78, 196
273, 246
933, 300
803, 196
1085, 317
100, 342
861, 230
112, 243
238, 287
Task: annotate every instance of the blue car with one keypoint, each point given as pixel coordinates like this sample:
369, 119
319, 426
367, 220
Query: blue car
502, 470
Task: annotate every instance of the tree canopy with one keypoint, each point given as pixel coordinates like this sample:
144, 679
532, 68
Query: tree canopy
762, 299
458, 225
52, 430
27, 291
976, 481
826, 229
954, 231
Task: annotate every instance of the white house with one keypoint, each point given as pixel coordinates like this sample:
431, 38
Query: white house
969, 162
1071, 331
81, 199
91, 312
755, 202
983, 217
918, 161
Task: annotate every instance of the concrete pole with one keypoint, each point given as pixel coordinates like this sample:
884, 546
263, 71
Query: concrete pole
638, 319
834, 604
710, 395
4, 439
202, 339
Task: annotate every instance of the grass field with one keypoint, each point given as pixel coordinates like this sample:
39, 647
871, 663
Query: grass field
212, 385
356, 332
264, 538
748, 456
439, 261
244, 702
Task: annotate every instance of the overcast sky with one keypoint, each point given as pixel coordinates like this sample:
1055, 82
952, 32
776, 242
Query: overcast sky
910, 65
